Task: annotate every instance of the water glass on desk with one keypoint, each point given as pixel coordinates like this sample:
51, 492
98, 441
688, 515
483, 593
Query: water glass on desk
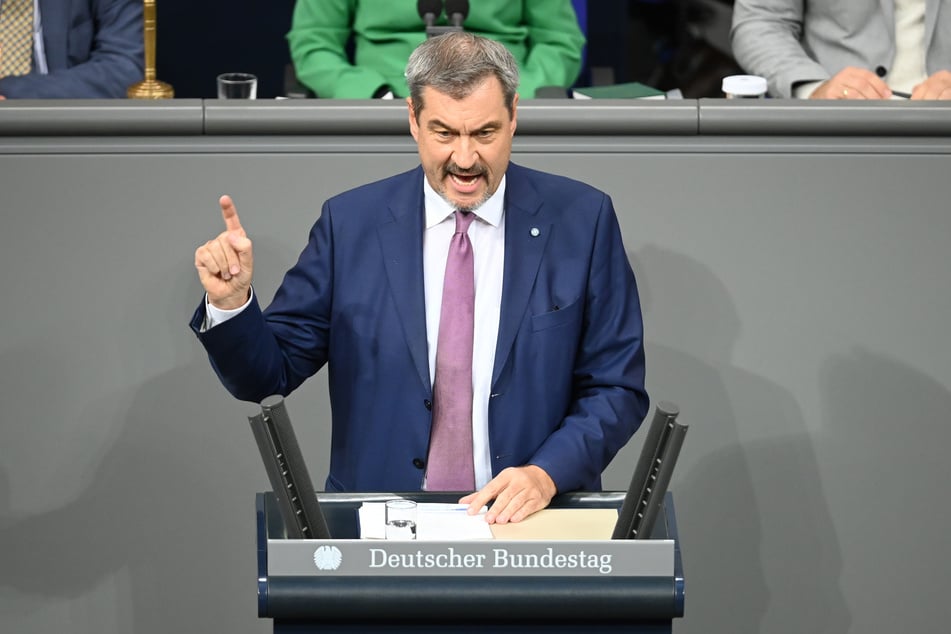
237, 86
401, 519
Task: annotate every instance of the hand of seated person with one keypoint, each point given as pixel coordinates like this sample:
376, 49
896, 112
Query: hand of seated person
938, 86
852, 83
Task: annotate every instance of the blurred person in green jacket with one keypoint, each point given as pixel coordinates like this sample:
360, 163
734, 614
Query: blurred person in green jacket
543, 35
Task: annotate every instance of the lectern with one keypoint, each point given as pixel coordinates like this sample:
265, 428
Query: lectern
350, 585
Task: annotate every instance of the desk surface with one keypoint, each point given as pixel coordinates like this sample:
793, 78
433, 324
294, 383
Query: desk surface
540, 117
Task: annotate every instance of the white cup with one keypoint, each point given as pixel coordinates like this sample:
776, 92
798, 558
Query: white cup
237, 86
744, 87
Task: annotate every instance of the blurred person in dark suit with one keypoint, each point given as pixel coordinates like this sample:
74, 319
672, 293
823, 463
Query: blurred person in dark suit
70, 49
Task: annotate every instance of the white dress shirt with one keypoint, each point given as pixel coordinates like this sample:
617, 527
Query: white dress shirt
908, 68
39, 49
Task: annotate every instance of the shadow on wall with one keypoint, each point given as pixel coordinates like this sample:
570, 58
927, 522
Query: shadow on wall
133, 498
886, 432
757, 534
128, 473
148, 525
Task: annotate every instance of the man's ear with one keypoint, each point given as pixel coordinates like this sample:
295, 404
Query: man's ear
413, 123
514, 113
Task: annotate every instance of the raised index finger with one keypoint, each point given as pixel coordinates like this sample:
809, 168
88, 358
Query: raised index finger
230, 214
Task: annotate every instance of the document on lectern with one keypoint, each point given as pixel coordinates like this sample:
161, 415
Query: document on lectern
434, 522
450, 522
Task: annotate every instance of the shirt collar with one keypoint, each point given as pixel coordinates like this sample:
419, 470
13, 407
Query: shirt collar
438, 208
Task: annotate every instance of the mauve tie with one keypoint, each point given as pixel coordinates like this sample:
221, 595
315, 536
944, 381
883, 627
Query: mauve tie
449, 467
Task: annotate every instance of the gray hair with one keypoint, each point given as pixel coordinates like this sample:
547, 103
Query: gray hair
456, 64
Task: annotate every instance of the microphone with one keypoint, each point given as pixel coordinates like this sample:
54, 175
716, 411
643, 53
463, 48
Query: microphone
645, 495
287, 471
457, 10
429, 10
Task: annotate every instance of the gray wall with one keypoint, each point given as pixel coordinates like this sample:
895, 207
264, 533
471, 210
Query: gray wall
794, 272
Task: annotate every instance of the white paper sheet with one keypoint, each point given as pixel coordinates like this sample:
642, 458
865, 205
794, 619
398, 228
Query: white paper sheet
434, 522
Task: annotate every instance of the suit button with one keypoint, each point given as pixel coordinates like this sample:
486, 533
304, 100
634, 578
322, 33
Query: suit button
418, 463
429, 404
881, 71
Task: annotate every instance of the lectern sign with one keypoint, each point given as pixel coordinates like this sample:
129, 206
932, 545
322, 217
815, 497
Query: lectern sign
490, 558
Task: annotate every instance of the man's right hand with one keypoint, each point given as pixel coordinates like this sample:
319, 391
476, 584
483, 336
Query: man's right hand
852, 83
225, 263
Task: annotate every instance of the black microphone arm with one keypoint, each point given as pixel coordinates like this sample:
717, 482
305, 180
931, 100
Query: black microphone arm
652, 474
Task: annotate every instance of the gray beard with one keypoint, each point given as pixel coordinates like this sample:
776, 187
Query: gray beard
466, 208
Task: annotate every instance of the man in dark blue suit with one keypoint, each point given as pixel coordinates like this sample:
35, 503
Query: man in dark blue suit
558, 361
85, 49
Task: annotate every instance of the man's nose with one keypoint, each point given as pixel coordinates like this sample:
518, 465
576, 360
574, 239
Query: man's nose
464, 154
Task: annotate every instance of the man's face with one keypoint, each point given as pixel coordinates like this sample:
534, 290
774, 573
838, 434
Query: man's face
464, 144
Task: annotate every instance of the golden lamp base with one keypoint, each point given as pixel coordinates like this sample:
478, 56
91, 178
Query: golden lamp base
150, 89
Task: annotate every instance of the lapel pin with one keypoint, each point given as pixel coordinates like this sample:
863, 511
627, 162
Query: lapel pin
535, 232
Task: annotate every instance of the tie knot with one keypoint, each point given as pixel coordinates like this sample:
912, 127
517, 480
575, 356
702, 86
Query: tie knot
463, 220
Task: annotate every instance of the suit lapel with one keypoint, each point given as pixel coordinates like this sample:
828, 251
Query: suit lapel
54, 16
931, 20
527, 229
401, 240
888, 14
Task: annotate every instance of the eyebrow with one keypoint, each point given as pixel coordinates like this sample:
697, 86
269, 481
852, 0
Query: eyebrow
490, 125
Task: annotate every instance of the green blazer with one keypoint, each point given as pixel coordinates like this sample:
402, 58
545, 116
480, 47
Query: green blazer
543, 35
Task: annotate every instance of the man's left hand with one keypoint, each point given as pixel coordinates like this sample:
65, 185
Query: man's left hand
518, 492
938, 86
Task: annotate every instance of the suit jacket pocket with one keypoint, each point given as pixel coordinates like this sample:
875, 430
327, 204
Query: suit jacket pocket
557, 317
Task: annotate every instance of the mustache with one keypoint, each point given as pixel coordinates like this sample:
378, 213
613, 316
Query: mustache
475, 170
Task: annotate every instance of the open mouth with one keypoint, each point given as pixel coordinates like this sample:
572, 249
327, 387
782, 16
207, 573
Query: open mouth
465, 182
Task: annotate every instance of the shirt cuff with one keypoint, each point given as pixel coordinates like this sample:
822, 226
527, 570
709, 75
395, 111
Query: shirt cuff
805, 90
216, 316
